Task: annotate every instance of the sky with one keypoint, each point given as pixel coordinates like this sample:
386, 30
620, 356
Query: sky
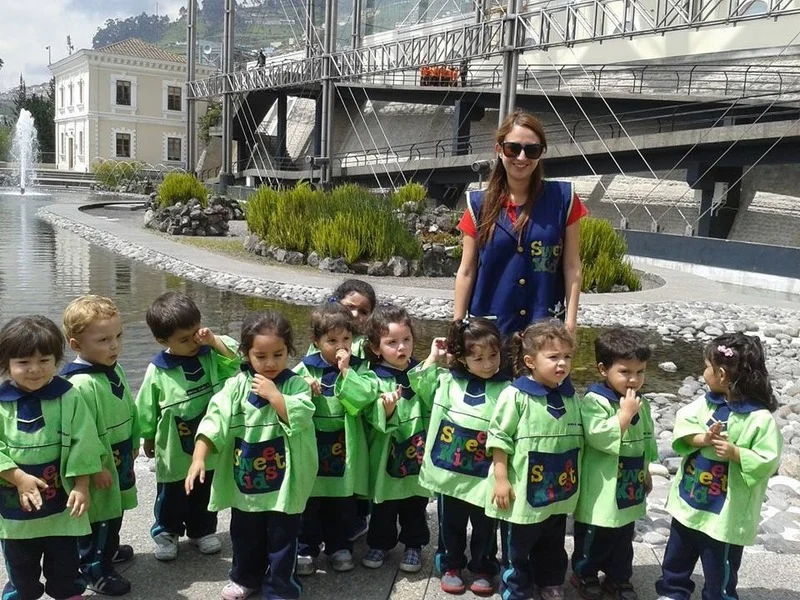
29, 26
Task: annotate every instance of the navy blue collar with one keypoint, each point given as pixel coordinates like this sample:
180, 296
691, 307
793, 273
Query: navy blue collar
460, 373
57, 387
602, 389
74, 368
166, 360
534, 388
316, 361
279, 379
744, 406
385, 371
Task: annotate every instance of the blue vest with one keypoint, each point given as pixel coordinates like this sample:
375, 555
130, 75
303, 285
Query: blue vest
520, 276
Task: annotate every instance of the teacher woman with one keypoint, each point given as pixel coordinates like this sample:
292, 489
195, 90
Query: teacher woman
520, 260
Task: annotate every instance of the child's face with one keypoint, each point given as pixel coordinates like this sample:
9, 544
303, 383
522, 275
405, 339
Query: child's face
483, 360
31, 373
359, 306
623, 375
333, 341
396, 346
101, 342
550, 365
183, 342
716, 378
268, 355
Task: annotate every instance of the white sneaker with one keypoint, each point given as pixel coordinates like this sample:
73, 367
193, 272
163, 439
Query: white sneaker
208, 544
305, 565
166, 546
342, 560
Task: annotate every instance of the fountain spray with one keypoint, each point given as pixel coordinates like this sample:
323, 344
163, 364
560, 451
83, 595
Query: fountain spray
25, 149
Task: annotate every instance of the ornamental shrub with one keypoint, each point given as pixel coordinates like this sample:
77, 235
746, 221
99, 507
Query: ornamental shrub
602, 252
181, 187
411, 192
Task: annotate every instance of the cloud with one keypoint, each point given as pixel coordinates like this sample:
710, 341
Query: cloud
28, 29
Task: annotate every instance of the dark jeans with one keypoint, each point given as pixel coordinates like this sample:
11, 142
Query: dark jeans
410, 512
98, 548
454, 514
25, 560
177, 513
328, 520
606, 549
533, 555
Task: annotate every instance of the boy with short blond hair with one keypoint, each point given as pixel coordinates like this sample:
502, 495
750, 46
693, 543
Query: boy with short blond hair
175, 393
93, 328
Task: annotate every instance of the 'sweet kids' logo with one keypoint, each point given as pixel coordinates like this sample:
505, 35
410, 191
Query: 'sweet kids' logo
552, 477
187, 431
54, 498
545, 258
705, 483
260, 467
630, 481
405, 457
123, 461
461, 450
332, 451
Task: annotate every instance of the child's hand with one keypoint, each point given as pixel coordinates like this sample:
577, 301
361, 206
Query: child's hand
102, 480
725, 449
28, 489
630, 403
78, 501
316, 386
262, 386
150, 448
438, 348
503, 494
648, 483
196, 469
712, 434
204, 336
343, 359
390, 400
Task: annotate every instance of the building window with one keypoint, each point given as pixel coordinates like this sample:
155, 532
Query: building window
61, 96
173, 98
63, 142
80, 91
124, 93
174, 149
123, 145
70, 95
80, 143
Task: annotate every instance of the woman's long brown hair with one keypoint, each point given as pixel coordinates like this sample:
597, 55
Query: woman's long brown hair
493, 198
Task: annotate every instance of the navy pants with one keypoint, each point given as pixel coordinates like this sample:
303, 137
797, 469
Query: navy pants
265, 552
606, 549
720, 562
410, 512
25, 560
329, 520
453, 517
178, 513
98, 548
533, 555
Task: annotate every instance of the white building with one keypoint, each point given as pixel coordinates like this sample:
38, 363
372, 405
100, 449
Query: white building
126, 101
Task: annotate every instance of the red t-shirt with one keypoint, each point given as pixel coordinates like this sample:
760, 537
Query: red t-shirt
467, 225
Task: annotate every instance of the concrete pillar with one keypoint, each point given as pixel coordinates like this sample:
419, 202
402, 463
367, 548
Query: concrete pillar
318, 126
464, 112
356, 31
226, 172
328, 89
191, 103
311, 34
719, 200
369, 17
283, 153
508, 87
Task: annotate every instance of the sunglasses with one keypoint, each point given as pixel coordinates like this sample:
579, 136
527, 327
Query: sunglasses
512, 150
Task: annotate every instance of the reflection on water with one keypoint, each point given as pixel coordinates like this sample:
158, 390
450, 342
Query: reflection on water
42, 269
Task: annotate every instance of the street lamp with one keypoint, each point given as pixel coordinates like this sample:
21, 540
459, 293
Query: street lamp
49, 61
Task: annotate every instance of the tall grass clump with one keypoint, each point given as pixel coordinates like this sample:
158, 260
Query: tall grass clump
181, 187
602, 253
347, 221
411, 192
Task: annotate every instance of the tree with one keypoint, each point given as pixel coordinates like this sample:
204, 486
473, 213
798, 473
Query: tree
149, 28
21, 98
42, 109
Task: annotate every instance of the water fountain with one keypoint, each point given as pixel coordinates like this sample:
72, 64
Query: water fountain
25, 149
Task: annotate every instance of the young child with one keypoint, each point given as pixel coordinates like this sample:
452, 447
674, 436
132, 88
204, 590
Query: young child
396, 450
177, 387
731, 445
456, 462
93, 328
49, 448
342, 387
615, 476
261, 426
358, 297
536, 440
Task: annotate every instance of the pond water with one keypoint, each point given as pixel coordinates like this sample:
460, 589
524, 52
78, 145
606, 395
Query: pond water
42, 269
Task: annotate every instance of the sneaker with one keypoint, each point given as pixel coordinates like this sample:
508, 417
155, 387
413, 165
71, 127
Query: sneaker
620, 591
452, 582
305, 566
123, 554
360, 529
482, 585
112, 584
208, 544
412, 560
552, 592
588, 587
342, 560
166, 546
374, 559
234, 591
